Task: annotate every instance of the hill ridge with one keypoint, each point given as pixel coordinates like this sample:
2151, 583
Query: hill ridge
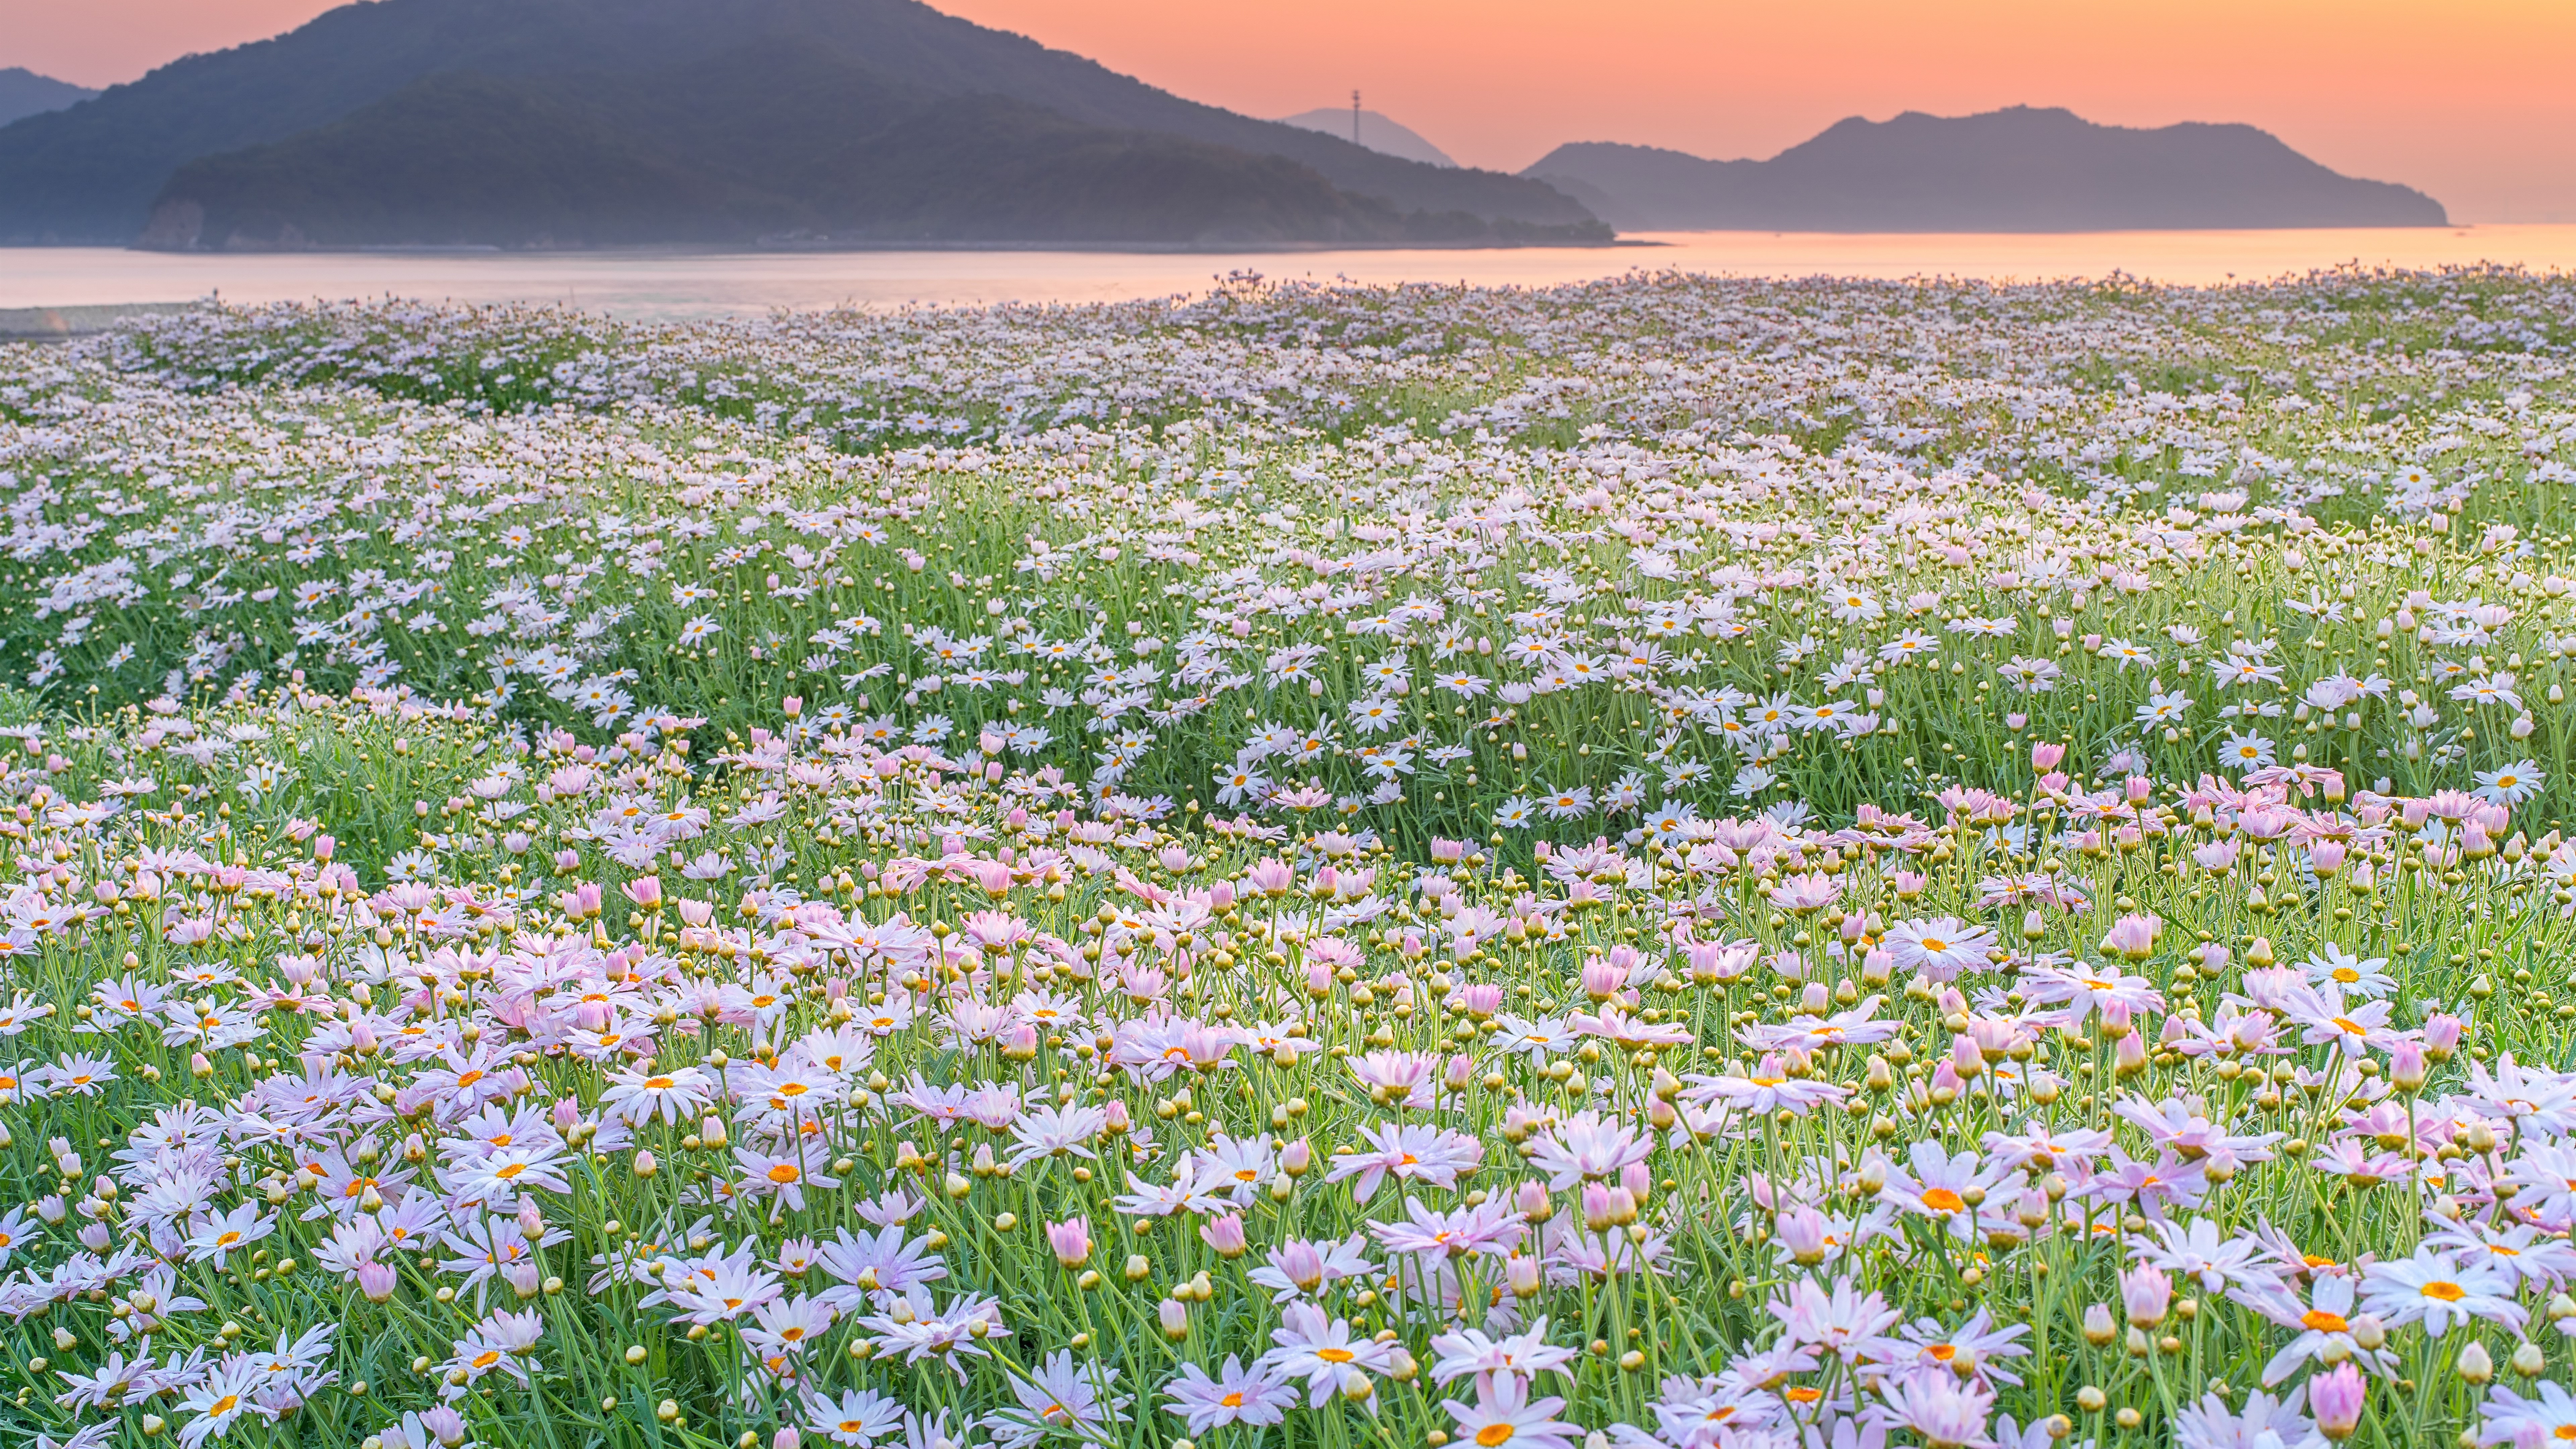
2021, 168
25, 93
100, 172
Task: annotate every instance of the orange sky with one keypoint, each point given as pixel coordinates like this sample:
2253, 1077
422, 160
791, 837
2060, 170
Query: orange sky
2471, 100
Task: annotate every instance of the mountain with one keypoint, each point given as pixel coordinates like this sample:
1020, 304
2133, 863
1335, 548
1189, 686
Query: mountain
464, 159
1376, 132
25, 93
704, 121
2020, 170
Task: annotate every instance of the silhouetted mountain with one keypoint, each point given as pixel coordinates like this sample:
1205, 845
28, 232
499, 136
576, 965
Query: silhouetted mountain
472, 159
25, 93
2012, 170
798, 104
1376, 132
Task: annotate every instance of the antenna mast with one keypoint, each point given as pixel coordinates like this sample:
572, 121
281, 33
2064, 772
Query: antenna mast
1355, 115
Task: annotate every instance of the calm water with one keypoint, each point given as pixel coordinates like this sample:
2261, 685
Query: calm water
664, 286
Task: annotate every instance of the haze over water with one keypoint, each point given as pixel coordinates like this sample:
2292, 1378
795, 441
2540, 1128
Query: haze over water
676, 286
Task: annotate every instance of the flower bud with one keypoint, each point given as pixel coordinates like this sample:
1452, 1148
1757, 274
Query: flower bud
2147, 1293
2406, 1066
1802, 1231
1071, 1241
1225, 1235
2336, 1399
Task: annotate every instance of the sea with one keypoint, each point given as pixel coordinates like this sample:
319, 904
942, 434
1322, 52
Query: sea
680, 286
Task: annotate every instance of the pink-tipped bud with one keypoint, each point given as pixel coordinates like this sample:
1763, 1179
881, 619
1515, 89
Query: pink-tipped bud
2130, 1057
524, 1277
1020, 1043
1802, 1231
1270, 877
2406, 1066
323, 845
2045, 757
1639, 1181
376, 1281
2133, 936
2147, 1293
1302, 1265
1533, 1202
1601, 980
2336, 1399
1225, 1235
1071, 1241
1965, 1058
1521, 1272
2442, 1035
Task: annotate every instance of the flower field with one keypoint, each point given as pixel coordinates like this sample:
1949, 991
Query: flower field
1671, 864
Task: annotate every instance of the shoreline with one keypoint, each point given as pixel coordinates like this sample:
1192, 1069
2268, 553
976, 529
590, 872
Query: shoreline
61, 324
656, 250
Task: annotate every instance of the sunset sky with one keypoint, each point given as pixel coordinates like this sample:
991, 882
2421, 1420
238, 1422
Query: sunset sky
2473, 101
